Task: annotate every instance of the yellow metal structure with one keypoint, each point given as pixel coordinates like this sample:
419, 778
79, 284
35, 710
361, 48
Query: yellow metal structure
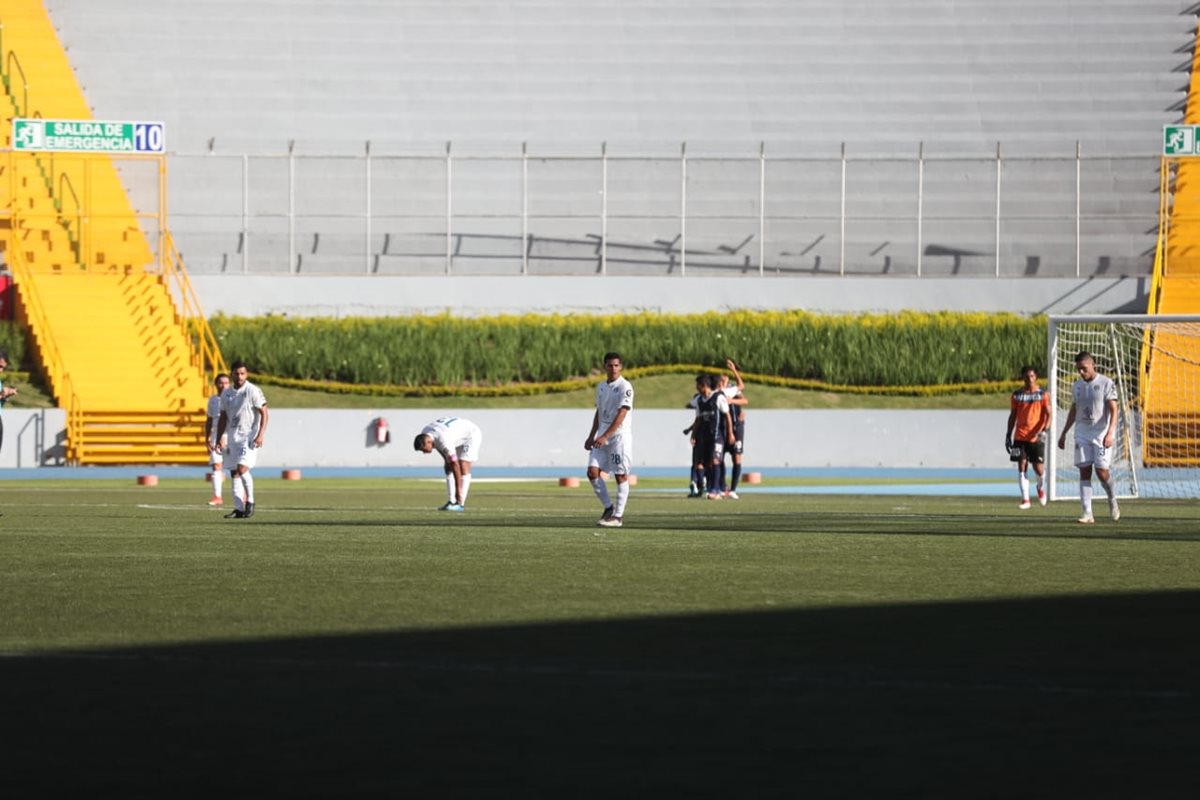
111, 313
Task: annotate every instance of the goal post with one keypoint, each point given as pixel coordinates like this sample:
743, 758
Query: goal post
1155, 362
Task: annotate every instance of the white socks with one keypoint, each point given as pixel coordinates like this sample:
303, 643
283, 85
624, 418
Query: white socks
248, 482
601, 490
1085, 497
1023, 482
450, 493
622, 497
466, 483
218, 478
239, 494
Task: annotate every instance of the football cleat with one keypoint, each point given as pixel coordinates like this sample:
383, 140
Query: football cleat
714, 496
216, 501
1042, 496
1086, 519
249, 512
445, 505
1115, 511
607, 515
1024, 505
455, 507
732, 495
237, 513
610, 522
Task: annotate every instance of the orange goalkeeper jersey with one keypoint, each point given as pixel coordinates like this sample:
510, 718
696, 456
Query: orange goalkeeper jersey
1032, 408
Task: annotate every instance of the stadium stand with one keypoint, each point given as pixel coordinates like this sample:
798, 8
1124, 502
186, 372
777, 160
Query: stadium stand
248, 78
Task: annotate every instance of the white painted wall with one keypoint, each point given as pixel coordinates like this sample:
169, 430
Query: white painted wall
33, 437
380, 295
541, 438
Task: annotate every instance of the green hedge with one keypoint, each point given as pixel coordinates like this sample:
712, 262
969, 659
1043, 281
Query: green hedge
12, 341
902, 349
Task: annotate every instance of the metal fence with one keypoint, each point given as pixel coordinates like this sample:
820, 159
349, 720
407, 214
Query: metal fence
530, 214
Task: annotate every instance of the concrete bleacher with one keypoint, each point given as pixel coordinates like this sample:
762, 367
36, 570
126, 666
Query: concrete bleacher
880, 76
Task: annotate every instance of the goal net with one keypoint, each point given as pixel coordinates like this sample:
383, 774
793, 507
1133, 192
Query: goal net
1155, 362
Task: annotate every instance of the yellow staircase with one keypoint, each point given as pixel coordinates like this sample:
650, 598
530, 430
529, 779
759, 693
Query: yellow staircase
121, 339
1171, 366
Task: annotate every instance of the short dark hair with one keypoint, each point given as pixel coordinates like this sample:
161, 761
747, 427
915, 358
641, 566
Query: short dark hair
714, 381
220, 375
1084, 355
4, 354
609, 356
1028, 368
236, 365
419, 442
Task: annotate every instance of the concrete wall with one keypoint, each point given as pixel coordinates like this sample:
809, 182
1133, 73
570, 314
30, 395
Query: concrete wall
33, 437
340, 296
542, 438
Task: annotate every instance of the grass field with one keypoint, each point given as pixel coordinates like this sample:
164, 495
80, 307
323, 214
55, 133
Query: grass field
349, 640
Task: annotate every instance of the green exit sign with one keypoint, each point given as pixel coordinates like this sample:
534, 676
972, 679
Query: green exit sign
88, 136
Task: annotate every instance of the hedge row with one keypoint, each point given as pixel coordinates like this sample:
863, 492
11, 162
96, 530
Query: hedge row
871, 350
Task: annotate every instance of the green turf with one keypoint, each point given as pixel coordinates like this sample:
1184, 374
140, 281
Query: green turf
351, 640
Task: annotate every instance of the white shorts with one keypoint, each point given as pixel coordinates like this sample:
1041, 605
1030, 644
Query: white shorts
615, 458
239, 454
469, 450
1091, 452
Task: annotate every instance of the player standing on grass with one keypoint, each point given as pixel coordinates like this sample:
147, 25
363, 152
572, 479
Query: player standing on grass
244, 415
215, 446
457, 440
1094, 408
610, 441
1025, 437
737, 412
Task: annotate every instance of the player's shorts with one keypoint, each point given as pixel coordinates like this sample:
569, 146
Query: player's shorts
739, 433
1033, 452
704, 449
469, 450
718, 449
1090, 453
241, 454
615, 457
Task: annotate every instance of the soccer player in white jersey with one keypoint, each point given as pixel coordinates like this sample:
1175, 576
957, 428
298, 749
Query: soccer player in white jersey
1094, 413
215, 446
457, 440
243, 422
610, 441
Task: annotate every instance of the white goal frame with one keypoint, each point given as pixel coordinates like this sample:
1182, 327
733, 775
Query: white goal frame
1127, 405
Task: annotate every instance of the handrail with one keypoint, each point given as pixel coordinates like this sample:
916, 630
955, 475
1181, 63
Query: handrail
9, 61
52, 361
195, 324
77, 243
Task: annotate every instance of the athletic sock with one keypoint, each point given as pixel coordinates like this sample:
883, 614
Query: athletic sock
239, 494
248, 480
1085, 497
710, 477
1109, 489
466, 482
737, 476
450, 492
1023, 482
721, 476
622, 498
218, 478
601, 490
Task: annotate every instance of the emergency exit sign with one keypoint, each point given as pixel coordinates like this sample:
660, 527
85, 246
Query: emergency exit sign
1180, 140
88, 136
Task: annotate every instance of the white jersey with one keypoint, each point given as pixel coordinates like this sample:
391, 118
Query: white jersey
1091, 404
610, 399
239, 406
213, 412
453, 437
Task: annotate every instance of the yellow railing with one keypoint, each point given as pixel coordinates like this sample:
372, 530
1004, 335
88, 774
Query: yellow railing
52, 361
207, 354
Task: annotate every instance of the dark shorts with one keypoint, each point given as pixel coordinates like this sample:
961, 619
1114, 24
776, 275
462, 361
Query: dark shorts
1033, 452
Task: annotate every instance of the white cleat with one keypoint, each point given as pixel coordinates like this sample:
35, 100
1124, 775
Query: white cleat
610, 522
1115, 511
1025, 504
1086, 519
1042, 496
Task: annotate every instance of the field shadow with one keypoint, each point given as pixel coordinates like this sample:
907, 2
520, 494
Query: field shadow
1091, 696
